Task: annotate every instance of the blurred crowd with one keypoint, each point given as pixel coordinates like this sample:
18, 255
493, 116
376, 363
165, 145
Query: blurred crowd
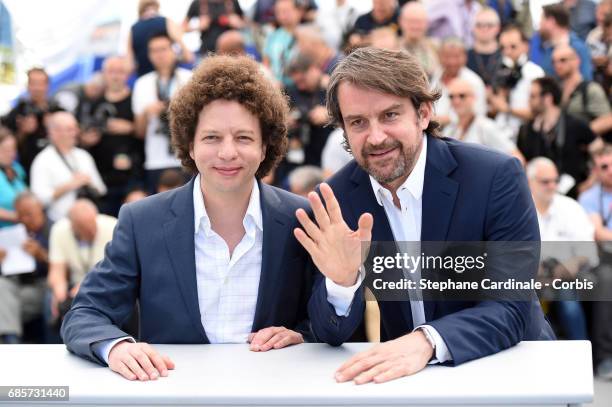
69, 161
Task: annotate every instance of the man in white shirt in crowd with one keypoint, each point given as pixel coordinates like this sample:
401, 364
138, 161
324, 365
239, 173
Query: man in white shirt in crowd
150, 99
453, 59
509, 97
468, 126
335, 19
76, 244
62, 172
597, 201
562, 219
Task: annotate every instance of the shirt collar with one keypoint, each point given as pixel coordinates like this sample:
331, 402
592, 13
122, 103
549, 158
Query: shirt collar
252, 216
414, 182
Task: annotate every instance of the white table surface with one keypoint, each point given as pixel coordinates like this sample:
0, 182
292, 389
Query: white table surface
531, 373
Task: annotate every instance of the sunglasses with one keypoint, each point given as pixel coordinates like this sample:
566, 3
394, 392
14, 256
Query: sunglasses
485, 25
561, 60
510, 46
461, 96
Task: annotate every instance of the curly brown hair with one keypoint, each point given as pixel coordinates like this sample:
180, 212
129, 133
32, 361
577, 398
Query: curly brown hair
235, 78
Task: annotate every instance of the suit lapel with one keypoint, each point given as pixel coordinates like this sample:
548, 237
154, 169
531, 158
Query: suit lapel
179, 236
275, 236
439, 191
439, 196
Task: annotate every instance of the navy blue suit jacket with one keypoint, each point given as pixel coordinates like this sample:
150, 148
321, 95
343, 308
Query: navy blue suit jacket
152, 258
470, 193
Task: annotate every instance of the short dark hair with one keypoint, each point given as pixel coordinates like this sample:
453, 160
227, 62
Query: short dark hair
549, 86
557, 12
510, 27
171, 178
235, 78
393, 72
38, 69
607, 21
159, 34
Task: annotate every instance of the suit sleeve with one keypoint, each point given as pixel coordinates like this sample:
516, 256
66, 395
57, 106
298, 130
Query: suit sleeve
303, 326
107, 295
493, 325
327, 326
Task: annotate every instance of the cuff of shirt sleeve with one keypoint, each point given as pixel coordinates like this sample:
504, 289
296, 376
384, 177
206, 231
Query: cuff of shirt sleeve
341, 297
441, 352
104, 348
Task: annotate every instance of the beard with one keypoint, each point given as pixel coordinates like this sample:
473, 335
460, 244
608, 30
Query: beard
390, 169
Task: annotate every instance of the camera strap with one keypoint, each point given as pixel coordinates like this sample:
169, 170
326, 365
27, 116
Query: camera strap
164, 89
605, 219
64, 160
9, 173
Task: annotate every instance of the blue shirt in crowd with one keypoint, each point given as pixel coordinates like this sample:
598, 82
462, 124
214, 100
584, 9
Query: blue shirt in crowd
10, 189
541, 54
599, 201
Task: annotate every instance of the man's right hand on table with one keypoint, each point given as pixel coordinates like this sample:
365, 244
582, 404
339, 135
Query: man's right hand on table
138, 361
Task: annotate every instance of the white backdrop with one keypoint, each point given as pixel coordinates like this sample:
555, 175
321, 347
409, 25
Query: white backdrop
56, 34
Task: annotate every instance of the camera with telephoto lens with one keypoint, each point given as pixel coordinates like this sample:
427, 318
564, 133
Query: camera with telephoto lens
302, 128
507, 77
164, 120
30, 109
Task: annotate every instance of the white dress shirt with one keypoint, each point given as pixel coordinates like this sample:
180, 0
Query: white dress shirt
483, 131
227, 285
567, 221
405, 224
49, 171
442, 106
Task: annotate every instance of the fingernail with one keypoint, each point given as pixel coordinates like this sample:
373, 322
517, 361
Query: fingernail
339, 377
154, 375
164, 373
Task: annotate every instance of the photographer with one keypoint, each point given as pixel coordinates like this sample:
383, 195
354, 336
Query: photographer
109, 136
152, 93
555, 134
509, 97
212, 18
307, 131
27, 119
62, 172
